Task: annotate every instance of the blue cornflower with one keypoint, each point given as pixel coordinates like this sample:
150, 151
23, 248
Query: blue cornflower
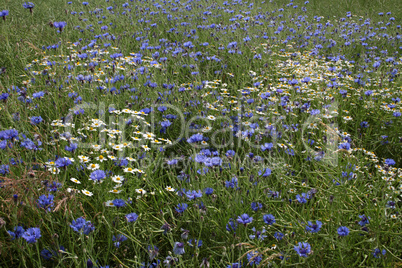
119, 203
258, 234
4, 169
208, 191
195, 138
313, 228
72, 147
60, 25
31, 235
267, 146
181, 207
364, 124
232, 183
256, 206
162, 109
390, 162
36, 120
46, 202
265, 172
18, 232
269, 219
254, 257
38, 95
315, 112
343, 231
132, 217
196, 242
63, 162
279, 236
244, 219
303, 249
166, 123
119, 238
377, 252
231, 226
97, 175
4, 13
178, 248
28, 5
303, 198
364, 220
81, 225
230, 153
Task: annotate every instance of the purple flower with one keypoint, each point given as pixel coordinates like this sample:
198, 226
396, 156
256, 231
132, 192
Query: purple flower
390, 162
46, 202
269, 219
303, 198
178, 248
81, 223
343, 231
31, 235
377, 252
195, 138
117, 239
62, 162
267, 146
119, 203
303, 249
265, 172
60, 25
181, 207
36, 120
18, 232
97, 175
364, 220
313, 228
3, 14
132, 217
244, 219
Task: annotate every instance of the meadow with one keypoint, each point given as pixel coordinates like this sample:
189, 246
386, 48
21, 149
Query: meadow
200, 133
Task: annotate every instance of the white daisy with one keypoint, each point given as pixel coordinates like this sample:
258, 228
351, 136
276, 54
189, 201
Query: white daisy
86, 192
75, 180
115, 191
118, 179
141, 191
169, 189
93, 166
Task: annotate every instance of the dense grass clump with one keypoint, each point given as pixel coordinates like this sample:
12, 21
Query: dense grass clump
200, 134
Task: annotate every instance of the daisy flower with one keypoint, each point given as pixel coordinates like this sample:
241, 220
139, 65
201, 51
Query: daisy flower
101, 158
96, 147
129, 169
131, 159
115, 191
93, 166
111, 157
169, 189
54, 170
149, 136
118, 179
138, 170
118, 147
145, 147
109, 203
136, 138
141, 191
86, 192
75, 180
211, 117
